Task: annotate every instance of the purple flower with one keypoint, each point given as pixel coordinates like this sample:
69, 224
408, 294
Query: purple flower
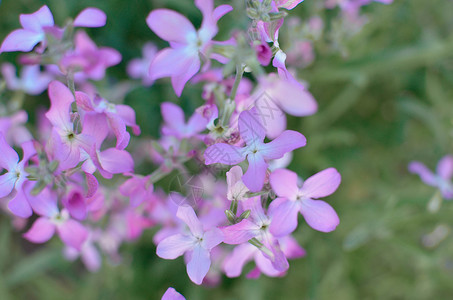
197, 244
442, 178
291, 199
15, 176
256, 151
175, 124
172, 294
182, 60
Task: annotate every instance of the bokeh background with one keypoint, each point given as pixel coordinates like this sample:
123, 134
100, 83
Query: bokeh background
385, 98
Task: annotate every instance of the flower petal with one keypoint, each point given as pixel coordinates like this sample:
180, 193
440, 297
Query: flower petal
319, 215
256, 172
284, 216
41, 231
61, 99
445, 167
251, 127
90, 17
285, 142
37, 20
187, 214
174, 246
19, 205
321, 184
171, 26
234, 263
8, 158
223, 153
172, 294
21, 40
72, 233
7, 182
284, 183
199, 264
240, 233
425, 174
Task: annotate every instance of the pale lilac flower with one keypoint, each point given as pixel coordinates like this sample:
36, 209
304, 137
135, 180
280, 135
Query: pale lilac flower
291, 200
33, 32
175, 124
172, 294
32, 81
138, 68
197, 244
182, 60
88, 58
71, 232
256, 151
236, 188
441, 179
15, 176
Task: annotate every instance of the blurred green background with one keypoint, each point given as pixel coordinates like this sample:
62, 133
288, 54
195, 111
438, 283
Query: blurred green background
386, 98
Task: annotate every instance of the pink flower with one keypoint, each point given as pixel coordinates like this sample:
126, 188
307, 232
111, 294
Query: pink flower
291, 199
442, 178
197, 244
256, 151
88, 58
15, 176
71, 232
172, 294
65, 142
181, 61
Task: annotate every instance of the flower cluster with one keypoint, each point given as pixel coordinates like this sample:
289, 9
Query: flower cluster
76, 172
